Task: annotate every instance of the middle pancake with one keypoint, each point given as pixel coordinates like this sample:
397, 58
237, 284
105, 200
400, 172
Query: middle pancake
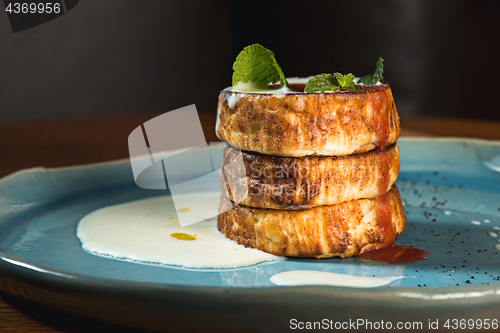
295, 183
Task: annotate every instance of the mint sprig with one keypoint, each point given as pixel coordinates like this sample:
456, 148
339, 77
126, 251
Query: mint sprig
345, 81
257, 64
330, 82
375, 77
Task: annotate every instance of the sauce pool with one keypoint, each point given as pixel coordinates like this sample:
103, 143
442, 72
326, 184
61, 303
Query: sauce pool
395, 254
183, 236
146, 231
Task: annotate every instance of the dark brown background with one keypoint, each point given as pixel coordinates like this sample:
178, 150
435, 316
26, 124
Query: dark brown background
129, 56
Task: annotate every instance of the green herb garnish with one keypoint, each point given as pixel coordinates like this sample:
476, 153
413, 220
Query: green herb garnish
330, 82
345, 81
258, 65
375, 77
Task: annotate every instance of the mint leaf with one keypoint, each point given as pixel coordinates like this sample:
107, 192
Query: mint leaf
321, 82
375, 77
257, 64
330, 82
379, 70
345, 81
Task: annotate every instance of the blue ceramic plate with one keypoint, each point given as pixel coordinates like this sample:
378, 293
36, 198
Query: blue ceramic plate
451, 194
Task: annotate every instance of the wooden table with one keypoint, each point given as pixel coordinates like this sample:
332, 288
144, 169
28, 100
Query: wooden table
57, 143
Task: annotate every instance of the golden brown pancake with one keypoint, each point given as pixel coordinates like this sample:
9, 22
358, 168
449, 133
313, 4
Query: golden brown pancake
327, 231
294, 183
301, 124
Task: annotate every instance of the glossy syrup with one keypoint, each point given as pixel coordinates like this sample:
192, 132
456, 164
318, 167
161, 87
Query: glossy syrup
378, 101
386, 251
395, 254
384, 209
292, 87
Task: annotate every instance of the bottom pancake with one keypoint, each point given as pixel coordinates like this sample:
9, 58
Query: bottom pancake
341, 230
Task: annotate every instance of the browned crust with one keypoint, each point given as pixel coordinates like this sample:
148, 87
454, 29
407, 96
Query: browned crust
327, 231
330, 124
294, 183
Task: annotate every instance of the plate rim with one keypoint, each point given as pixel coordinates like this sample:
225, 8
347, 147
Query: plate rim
6, 258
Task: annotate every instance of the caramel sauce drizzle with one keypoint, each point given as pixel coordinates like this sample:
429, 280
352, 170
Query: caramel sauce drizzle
386, 251
378, 101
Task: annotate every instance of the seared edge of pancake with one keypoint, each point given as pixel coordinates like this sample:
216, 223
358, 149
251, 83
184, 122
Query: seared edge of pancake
339, 230
328, 124
293, 183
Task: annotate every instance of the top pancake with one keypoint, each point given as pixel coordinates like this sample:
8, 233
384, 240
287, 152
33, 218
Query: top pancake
302, 124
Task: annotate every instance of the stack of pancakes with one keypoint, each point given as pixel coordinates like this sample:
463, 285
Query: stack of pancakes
319, 171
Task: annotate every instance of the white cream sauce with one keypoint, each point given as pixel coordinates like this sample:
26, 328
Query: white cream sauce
356, 79
148, 231
308, 277
257, 89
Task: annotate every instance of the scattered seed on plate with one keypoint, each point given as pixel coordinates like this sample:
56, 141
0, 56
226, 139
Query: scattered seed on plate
493, 234
475, 222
